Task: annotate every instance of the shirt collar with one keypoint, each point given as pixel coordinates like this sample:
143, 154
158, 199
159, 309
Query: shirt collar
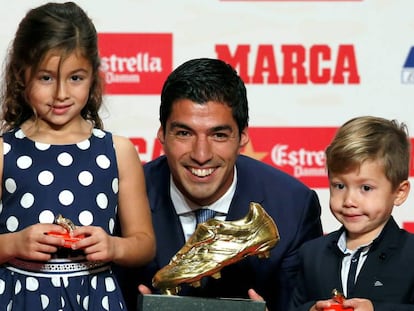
342, 245
184, 206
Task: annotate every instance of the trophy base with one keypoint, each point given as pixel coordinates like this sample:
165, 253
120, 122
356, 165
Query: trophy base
185, 303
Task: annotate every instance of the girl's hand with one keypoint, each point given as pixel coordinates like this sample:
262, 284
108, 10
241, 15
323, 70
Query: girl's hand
97, 244
33, 243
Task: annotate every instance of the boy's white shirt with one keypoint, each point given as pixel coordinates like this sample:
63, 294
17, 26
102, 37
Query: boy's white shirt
346, 261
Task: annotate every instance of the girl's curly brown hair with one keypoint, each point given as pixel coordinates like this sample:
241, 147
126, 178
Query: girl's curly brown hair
61, 27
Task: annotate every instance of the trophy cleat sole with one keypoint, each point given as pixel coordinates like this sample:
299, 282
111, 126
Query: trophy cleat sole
264, 255
170, 291
216, 275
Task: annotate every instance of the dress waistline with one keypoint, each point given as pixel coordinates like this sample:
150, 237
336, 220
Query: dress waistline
51, 269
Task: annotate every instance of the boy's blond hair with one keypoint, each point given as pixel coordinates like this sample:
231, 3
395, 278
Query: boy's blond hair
371, 138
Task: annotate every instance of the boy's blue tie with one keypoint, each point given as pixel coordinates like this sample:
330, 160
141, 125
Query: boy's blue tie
352, 272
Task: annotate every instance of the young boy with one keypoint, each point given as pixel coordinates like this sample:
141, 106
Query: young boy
369, 259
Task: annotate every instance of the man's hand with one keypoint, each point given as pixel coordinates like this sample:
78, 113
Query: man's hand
144, 290
253, 295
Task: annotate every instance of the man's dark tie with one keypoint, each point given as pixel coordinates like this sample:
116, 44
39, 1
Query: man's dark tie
204, 214
352, 272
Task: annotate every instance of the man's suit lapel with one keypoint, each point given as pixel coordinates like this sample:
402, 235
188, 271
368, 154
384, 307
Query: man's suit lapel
248, 190
170, 237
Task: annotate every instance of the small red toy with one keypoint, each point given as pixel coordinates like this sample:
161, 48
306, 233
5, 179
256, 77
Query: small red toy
69, 240
339, 299
69, 226
337, 307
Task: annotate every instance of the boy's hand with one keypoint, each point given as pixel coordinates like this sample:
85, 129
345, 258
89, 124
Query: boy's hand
359, 304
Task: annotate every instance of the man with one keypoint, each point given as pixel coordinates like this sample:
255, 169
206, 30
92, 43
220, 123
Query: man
204, 121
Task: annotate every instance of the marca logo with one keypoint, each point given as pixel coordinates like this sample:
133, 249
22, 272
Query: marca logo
299, 152
135, 63
407, 73
292, 64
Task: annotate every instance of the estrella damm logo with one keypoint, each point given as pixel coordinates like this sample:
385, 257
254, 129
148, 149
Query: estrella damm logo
135, 63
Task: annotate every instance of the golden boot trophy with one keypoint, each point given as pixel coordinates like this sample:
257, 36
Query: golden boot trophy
216, 244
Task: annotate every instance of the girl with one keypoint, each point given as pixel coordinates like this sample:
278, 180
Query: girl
59, 163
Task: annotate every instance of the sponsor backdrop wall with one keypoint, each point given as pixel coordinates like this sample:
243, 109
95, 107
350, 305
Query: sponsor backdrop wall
309, 66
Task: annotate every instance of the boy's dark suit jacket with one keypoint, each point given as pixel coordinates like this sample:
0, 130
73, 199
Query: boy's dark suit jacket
294, 207
386, 278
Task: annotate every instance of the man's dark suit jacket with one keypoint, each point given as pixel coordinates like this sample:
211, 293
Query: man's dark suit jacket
294, 207
386, 278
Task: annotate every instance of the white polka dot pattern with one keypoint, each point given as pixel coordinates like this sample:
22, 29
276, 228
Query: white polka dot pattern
65, 159
12, 223
10, 185
66, 197
41, 146
45, 301
45, 178
27, 200
85, 178
24, 162
46, 217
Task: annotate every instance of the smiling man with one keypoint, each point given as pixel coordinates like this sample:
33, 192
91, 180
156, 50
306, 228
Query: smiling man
204, 121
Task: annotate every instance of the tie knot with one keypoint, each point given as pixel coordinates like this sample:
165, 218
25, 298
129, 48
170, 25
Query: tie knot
204, 214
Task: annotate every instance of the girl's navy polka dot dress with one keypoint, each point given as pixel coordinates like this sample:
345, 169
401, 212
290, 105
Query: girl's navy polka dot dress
40, 181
